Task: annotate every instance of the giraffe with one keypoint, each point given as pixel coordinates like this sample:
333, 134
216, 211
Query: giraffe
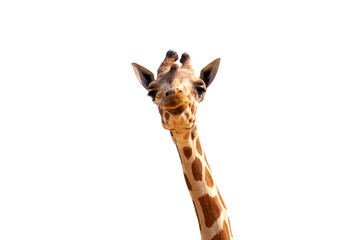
177, 92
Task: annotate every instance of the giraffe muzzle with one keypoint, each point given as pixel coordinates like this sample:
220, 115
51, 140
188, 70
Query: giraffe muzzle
175, 103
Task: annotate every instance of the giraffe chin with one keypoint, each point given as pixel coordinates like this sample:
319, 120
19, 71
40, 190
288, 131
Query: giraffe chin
177, 110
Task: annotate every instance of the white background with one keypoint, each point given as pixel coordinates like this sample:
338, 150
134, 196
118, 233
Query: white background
82, 151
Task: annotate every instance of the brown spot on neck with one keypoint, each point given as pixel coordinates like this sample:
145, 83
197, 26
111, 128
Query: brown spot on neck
193, 134
187, 152
211, 209
230, 227
207, 162
208, 178
223, 234
186, 135
196, 168
188, 184
222, 201
198, 147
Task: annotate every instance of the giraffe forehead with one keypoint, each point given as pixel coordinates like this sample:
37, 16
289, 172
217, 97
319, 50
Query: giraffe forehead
181, 78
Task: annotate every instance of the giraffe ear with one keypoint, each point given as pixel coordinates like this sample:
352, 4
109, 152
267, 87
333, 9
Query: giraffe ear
208, 73
144, 75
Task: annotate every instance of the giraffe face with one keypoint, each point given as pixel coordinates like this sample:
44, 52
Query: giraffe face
177, 91
177, 94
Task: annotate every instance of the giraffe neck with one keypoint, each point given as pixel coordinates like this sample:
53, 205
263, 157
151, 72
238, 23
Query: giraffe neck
209, 207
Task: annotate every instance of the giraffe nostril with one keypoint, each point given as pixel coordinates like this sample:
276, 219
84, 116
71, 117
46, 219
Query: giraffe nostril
168, 92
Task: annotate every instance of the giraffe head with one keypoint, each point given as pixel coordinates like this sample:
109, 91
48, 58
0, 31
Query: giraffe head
177, 91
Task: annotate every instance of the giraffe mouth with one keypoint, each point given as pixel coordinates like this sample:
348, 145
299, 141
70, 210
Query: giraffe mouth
176, 110
175, 104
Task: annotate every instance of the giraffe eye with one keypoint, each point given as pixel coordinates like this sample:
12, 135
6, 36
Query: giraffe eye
200, 91
152, 94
